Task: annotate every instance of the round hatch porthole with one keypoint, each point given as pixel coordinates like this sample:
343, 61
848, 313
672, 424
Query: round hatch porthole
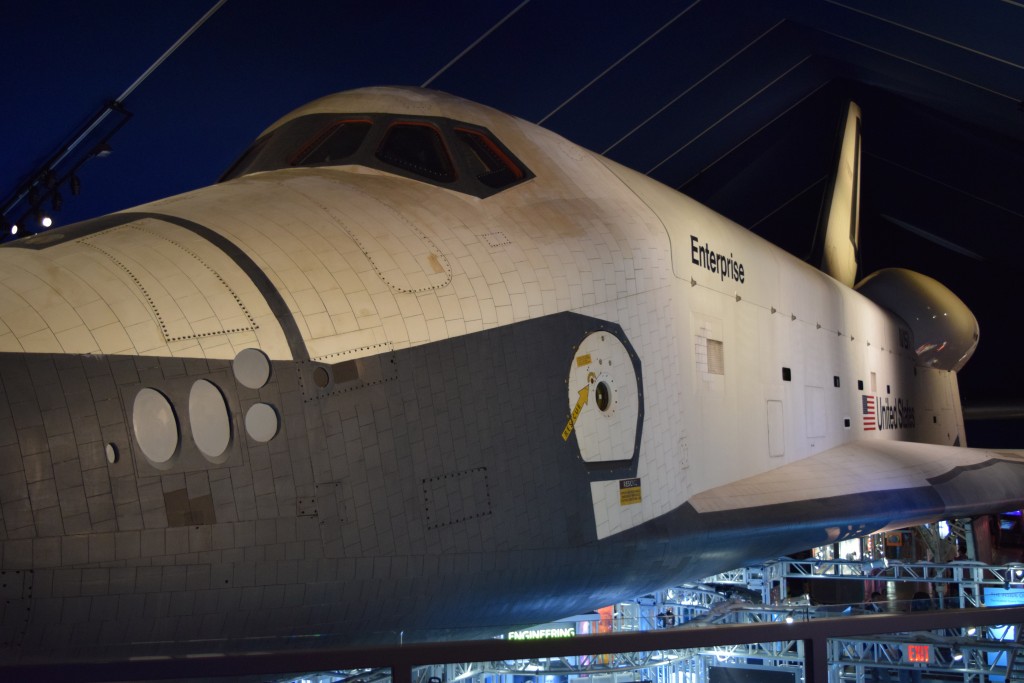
602, 396
604, 402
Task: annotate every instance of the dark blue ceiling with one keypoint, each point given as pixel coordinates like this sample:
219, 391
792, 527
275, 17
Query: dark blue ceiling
735, 102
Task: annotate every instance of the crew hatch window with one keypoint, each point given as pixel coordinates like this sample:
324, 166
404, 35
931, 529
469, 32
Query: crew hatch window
335, 143
417, 148
455, 155
485, 160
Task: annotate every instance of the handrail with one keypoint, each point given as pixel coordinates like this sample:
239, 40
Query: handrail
403, 659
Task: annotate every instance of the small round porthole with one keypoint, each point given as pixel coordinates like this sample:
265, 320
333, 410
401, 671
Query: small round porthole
251, 368
602, 396
321, 377
261, 422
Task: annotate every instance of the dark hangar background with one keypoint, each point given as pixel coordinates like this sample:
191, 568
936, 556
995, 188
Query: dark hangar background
734, 102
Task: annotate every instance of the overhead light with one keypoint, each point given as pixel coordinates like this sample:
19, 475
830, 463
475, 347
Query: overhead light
45, 220
14, 229
958, 656
971, 630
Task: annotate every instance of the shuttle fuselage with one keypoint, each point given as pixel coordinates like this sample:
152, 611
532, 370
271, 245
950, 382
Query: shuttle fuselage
418, 366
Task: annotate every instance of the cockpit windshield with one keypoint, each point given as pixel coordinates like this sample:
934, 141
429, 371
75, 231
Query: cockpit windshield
440, 151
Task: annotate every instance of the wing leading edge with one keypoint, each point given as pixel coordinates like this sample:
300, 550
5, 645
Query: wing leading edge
861, 488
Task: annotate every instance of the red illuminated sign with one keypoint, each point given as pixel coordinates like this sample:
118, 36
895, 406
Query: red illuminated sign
918, 653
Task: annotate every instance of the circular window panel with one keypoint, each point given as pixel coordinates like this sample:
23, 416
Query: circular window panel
208, 416
155, 426
261, 422
252, 368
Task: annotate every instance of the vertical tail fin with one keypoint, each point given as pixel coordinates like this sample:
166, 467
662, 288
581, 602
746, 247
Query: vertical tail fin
837, 239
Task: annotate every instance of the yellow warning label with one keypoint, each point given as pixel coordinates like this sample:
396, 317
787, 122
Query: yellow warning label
629, 491
583, 360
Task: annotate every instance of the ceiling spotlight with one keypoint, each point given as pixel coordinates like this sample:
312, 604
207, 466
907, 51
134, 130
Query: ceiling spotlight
971, 630
45, 221
958, 656
14, 229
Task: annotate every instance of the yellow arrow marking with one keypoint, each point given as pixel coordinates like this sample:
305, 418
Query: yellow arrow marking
584, 394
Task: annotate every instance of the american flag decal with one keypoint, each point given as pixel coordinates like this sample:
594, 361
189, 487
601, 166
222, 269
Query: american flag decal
868, 409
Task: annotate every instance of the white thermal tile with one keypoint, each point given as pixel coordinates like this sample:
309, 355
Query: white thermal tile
372, 282
395, 329
488, 314
520, 306
437, 330
42, 341
344, 322
320, 325
471, 265
456, 327
321, 279
470, 308
189, 348
500, 295
417, 327
335, 301
450, 308
129, 310
385, 304
309, 301
24, 321
145, 336
505, 315
112, 339
294, 280
362, 304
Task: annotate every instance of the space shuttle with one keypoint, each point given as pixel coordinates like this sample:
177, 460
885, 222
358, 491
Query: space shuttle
414, 368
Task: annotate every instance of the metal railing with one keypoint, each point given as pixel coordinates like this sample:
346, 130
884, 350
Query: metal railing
813, 637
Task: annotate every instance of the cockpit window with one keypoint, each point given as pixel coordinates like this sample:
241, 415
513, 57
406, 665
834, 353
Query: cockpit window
335, 143
246, 161
486, 160
451, 154
417, 147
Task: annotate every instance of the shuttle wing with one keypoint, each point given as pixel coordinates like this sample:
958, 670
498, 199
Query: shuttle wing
867, 486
